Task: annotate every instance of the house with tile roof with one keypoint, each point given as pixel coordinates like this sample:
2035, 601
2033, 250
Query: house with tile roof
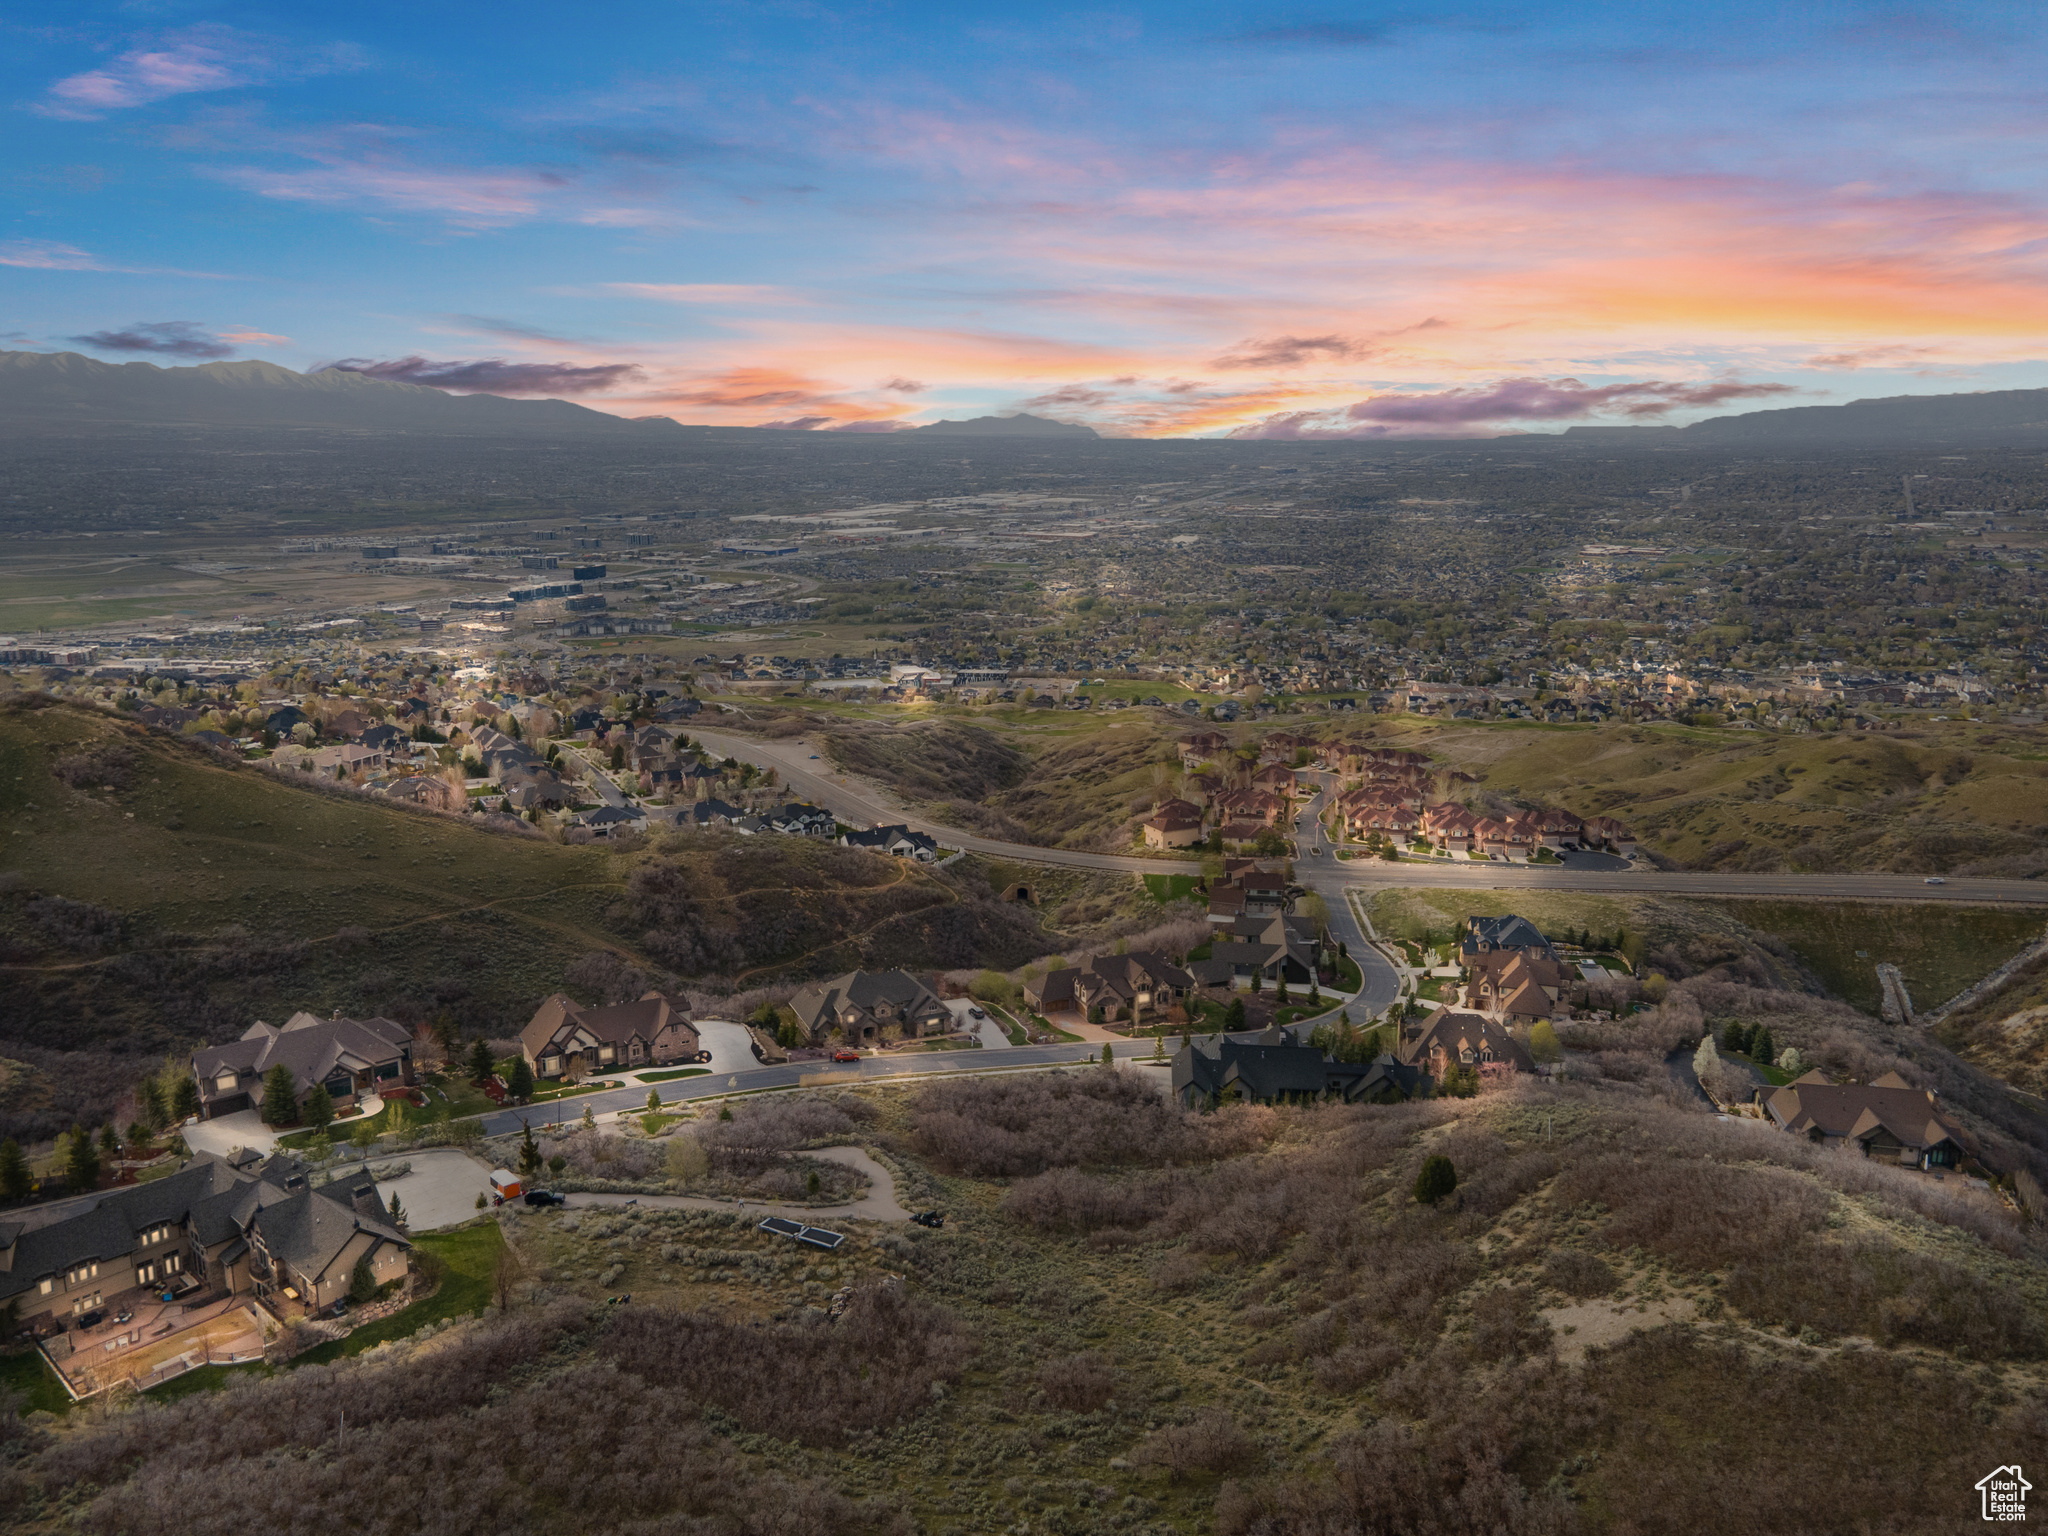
1886, 1118
350, 1058
565, 1039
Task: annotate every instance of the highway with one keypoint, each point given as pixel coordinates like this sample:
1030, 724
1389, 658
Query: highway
860, 803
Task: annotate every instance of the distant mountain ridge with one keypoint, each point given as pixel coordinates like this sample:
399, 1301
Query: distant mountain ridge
52, 388
1023, 424
2018, 417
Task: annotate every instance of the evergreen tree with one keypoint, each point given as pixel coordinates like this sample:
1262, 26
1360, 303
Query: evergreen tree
560, 1161
1108, 1060
1734, 1037
81, 1161
318, 1110
280, 1096
480, 1064
397, 1214
151, 1098
590, 1120
1233, 1016
184, 1099
110, 1141
362, 1284
521, 1084
1436, 1180
529, 1153
16, 1179
653, 1101
1762, 1047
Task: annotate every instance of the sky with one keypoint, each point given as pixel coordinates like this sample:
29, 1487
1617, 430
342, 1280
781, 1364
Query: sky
1307, 221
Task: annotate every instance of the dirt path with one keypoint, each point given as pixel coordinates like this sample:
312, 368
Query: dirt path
878, 1204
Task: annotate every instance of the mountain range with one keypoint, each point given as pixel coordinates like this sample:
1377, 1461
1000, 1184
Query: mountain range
44, 391
2015, 417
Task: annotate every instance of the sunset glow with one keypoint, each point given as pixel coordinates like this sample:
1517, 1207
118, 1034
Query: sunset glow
1161, 222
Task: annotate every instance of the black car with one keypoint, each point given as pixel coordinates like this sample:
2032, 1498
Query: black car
544, 1197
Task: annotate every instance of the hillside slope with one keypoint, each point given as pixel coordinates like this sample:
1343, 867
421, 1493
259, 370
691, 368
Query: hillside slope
154, 895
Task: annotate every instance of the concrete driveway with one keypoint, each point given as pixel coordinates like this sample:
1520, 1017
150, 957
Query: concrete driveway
988, 1031
731, 1047
244, 1128
440, 1191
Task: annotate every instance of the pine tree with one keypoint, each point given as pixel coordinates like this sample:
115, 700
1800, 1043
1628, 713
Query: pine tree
529, 1153
1437, 1179
521, 1084
1761, 1046
81, 1161
280, 1096
480, 1064
397, 1213
653, 1101
110, 1141
16, 1179
318, 1110
184, 1099
589, 1120
1107, 1058
362, 1283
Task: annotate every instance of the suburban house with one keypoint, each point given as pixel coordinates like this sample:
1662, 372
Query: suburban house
862, 1004
566, 1039
897, 841
1518, 985
708, 813
1449, 1039
799, 820
610, 821
1888, 1118
1176, 824
1137, 981
351, 1058
1485, 935
1272, 1069
212, 1228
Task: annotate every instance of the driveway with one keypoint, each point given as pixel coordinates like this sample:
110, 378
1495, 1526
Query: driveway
244, 1128
878, 1204
987, 1031
731, 1047
440, 1191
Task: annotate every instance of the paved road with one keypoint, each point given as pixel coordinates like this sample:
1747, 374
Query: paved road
860, 803
872, 1069
598, 779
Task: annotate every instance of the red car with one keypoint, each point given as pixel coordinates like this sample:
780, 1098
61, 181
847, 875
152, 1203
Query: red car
846, 1055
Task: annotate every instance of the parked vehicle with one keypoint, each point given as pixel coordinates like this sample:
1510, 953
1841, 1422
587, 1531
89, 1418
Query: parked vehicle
932, 1219
846, 1055
544, 1197
976, 1013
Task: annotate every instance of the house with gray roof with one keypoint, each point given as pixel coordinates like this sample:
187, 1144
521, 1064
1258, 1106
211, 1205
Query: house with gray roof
262, 1229
861, 1005
351, 1058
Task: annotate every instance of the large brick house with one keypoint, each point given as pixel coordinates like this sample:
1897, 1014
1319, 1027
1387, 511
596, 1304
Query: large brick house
1448, 1039
1139, 980
565, 1039
350, 1058
216, 1227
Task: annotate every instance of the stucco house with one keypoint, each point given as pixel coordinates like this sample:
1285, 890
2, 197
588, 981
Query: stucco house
565, 1039
351, 1058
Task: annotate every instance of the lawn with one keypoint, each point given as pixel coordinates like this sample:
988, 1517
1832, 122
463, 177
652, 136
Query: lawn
1165, 888
30, 1375
471, 1256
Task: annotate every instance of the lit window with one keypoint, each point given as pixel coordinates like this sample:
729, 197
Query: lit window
48, 1285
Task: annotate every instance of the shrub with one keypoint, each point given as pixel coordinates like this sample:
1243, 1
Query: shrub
1079, 1383
1211, 1443
1578, 1273
1436, 1180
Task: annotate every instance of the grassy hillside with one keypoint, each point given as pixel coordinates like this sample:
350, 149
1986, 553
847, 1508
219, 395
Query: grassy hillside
168, 897
1967, 800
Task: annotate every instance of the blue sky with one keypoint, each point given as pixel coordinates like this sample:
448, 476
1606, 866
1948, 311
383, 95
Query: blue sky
1275, 221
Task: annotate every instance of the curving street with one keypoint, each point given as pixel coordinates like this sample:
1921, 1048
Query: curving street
860, 803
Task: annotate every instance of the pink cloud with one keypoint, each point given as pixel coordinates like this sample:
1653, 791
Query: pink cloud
1506, 400
202, 58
